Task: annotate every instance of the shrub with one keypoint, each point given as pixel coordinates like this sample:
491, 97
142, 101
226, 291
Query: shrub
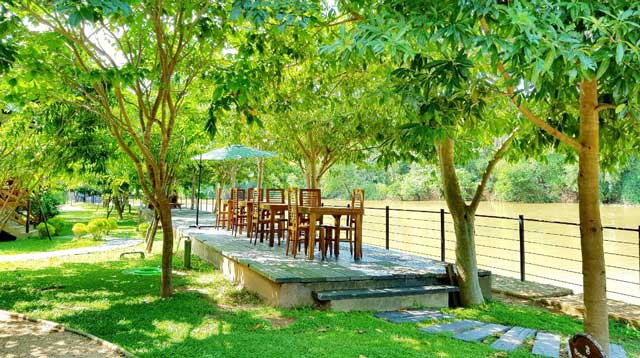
98, 228
58, 223
112, 224
142, 229
42, 229
49, 205
79, 229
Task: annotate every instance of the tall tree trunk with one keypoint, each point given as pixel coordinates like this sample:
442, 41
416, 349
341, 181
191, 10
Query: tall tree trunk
464, 225
167, 246
596, 320
311, 174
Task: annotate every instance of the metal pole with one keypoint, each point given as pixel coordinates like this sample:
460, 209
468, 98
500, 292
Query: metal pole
522, 261
386, 227
198, 197
442, 237
638, 254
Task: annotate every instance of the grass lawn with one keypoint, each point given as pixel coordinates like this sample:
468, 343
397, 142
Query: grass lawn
64, 240
209, 317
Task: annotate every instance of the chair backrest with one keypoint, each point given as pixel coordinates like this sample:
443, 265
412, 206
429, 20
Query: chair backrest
236, 196
275, 196
250, 192
293, 208
357, 198
310, 197
256, 200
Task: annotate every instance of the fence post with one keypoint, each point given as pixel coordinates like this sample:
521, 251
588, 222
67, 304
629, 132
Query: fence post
638, 254
187, 253
442, 237
522, 260
386, 227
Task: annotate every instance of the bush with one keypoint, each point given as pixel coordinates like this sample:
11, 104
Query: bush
79, 230
112, 224
142, 229
49, 205
58, 223
100, 227
42, 229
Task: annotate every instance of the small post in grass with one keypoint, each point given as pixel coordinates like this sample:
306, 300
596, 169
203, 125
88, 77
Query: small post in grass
522, 259
187, 253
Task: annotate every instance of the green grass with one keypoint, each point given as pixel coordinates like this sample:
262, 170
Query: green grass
209, 317
64, 240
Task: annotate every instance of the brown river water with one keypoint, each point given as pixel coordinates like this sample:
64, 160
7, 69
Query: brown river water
552, 251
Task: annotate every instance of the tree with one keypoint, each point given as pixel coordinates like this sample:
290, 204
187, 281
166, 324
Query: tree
541, 51
134, 65
448, 107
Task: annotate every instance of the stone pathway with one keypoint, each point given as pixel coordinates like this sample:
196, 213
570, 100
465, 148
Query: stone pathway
110, 244
510, 338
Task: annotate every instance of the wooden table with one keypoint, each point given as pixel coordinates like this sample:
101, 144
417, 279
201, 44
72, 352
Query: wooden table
316, 212
273, 209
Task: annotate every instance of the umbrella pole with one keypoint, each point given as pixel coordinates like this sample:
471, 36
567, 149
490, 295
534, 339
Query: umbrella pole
198, 196
259, 175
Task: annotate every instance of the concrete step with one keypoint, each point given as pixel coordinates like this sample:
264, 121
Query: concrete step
18, 231
384, 299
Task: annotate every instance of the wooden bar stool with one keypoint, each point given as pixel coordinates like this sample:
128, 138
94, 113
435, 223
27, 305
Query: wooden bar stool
239, 216
221, 210
357, 202
277, 196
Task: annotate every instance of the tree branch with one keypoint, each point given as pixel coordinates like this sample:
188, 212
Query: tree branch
539, 122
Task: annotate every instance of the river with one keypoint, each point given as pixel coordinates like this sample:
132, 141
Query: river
552, 251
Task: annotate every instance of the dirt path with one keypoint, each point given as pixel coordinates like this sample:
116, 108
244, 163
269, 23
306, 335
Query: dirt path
110, 244
20, 337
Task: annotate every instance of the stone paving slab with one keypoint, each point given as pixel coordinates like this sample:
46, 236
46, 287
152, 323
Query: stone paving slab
529, 290
616, 351
480, 333
573, 305
547, 345
413, 316
513, 339
453, 327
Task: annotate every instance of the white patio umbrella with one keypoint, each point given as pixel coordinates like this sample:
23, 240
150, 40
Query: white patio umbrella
232, 152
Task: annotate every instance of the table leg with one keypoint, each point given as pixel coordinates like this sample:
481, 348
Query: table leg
358, 238
272, 226
336, 245
312, 234
229, 216
249, 219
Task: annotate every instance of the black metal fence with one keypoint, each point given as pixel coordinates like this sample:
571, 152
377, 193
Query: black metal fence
539, 250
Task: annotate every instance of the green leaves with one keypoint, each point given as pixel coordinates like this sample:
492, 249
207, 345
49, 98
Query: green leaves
91, 10
619, 53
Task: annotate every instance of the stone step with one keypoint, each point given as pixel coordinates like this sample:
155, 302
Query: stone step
412, 316
384, 299
547, 345
453, 327
513, 339
480, 333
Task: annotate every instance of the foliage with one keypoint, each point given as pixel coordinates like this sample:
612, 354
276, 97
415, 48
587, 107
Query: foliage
79, 230
46, 229
630, 183
99, 227
58, 223
45, 203
142, 229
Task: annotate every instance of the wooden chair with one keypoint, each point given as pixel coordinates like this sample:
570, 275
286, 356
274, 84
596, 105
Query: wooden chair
297, 227
239, 216
221, 210
277, 196
357, 202
258, 219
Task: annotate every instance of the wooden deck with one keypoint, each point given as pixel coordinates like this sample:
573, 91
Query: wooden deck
287, 281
